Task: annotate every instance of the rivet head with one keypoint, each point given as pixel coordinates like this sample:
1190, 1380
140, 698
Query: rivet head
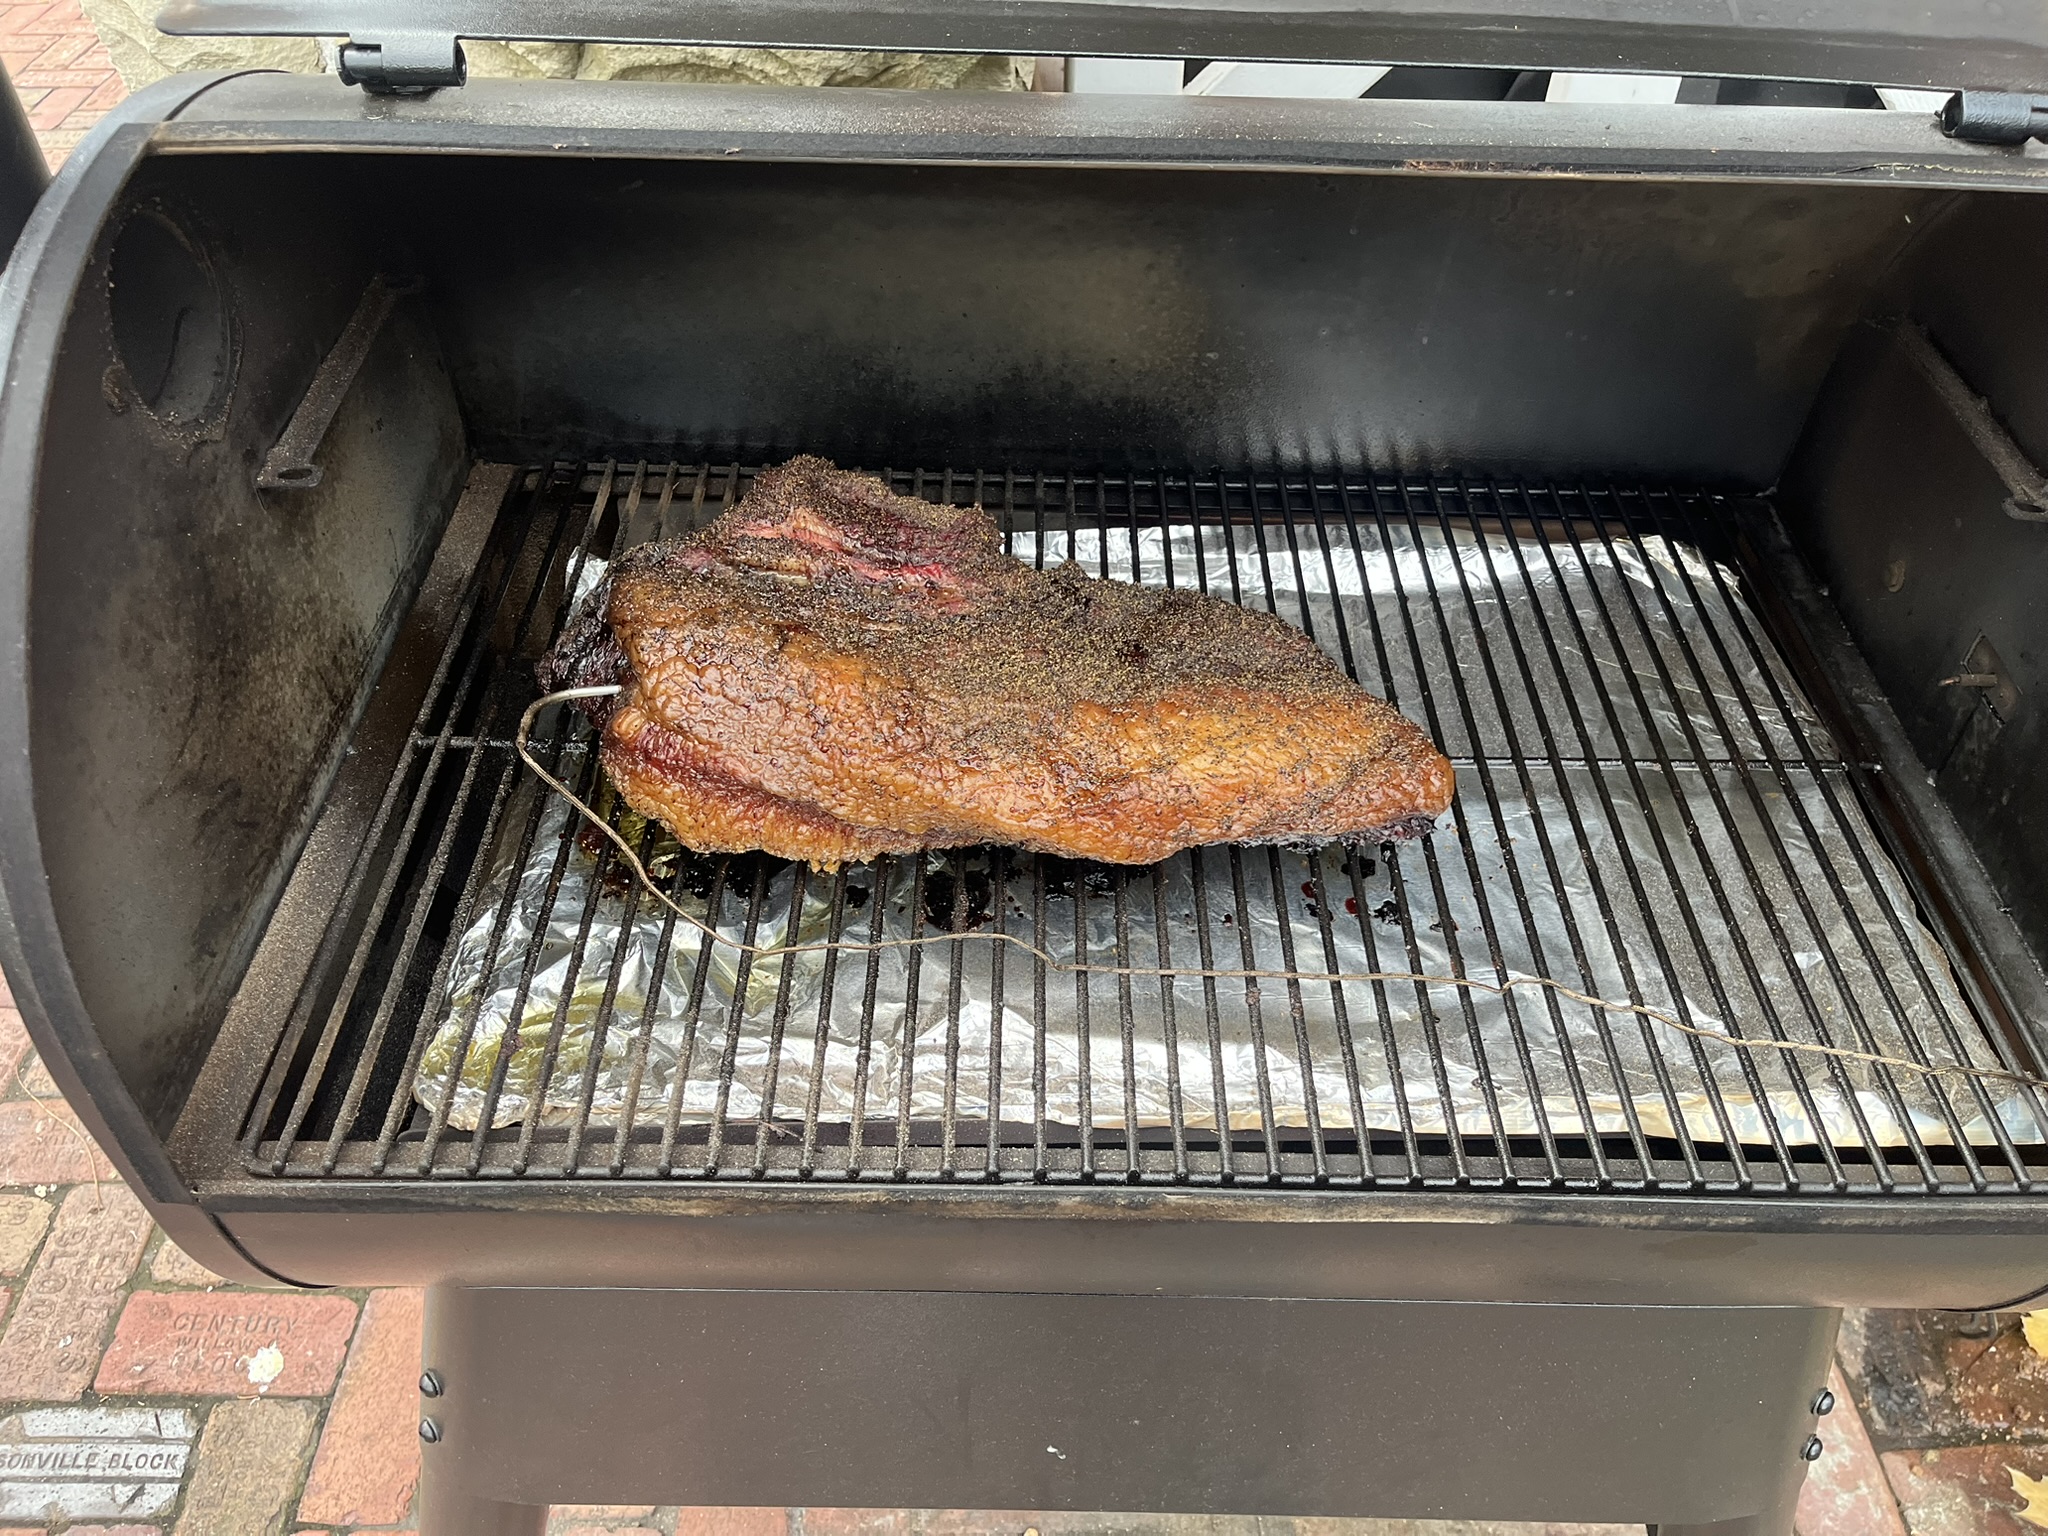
1824, 1403
431, 1433
1811, 1450
430, 1385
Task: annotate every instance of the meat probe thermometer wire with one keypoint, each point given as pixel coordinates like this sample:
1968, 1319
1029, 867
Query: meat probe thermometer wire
1498, 989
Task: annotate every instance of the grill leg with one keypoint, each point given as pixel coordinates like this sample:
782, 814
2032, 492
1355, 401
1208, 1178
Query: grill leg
448, 1511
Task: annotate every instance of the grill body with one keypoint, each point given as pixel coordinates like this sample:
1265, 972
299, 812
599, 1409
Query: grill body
1423, 1410
1365, 368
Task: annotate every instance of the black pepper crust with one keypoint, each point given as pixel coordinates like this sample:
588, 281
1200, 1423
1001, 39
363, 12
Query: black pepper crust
877, 672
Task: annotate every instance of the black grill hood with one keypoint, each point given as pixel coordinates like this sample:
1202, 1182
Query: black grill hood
1935, 43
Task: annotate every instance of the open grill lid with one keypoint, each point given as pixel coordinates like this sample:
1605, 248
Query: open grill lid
1936, 43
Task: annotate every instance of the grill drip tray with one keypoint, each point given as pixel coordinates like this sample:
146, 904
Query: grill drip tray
1649, 809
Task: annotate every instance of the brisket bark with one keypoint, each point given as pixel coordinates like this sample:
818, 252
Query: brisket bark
830, 672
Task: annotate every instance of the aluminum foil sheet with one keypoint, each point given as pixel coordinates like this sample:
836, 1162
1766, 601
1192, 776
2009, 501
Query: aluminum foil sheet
1647, 811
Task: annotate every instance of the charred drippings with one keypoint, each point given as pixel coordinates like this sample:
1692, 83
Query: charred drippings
962, 905
1064, 877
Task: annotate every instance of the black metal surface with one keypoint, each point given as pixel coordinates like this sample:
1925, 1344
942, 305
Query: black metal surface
115, 1078
1886, 42
1224, 1406
338, 1096
2028, 502
1907, 522
1995, 117
644, 118
1625, 329
402, 64
1248, 1240
1984, 312
290, 464
190, 594
23, 171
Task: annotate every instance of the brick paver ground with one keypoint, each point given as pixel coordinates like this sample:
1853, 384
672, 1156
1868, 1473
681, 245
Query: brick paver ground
199, 1408
64, 76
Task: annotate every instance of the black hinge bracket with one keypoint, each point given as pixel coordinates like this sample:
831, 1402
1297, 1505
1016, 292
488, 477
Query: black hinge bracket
403, 63
1995, 117
289, 465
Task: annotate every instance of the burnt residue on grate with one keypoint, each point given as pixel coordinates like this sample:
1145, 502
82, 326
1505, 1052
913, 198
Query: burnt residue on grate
1648, 809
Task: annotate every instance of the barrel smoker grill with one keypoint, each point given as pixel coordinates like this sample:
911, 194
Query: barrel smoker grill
1674, 467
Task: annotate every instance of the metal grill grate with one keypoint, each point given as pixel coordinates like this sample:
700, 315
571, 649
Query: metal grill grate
1648, 809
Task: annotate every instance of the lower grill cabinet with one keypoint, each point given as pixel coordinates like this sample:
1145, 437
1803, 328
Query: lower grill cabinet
1649, 809
1689, 1416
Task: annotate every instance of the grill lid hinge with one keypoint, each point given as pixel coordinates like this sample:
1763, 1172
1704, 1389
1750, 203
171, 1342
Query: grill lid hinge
1995, 117
403, 63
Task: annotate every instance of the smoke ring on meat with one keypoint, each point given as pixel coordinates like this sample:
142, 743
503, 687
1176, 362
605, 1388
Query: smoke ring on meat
831, 672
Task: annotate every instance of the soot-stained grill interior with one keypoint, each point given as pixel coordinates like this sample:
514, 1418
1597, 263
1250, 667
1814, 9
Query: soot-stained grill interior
1651, 808
1673, 468
1654, 495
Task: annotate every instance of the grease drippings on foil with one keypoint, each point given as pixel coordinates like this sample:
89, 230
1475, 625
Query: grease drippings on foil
1577, 829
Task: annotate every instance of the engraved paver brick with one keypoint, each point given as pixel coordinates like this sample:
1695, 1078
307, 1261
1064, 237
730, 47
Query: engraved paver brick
23, 1219
227, 1342
43, 1143
248, 1466
608, 1530
173, 1266
368, 1463
99, 1464
53, 1338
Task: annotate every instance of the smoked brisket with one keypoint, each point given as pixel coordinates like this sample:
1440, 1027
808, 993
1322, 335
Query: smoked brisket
830, 672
